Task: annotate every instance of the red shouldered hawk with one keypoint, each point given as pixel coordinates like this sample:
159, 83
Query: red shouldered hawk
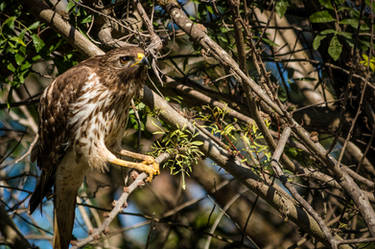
83, 114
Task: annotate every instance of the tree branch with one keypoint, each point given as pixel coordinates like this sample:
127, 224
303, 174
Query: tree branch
12, 236
120, 204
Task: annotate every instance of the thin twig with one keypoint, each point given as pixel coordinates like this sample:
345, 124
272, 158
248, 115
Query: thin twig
120, 204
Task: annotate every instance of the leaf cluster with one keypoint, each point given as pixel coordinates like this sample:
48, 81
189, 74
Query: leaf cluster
342, 23
183, 145
25, 42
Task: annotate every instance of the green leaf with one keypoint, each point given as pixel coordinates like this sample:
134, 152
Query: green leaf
17, 40
350, 21
321, 17
34, 25
38, 43
350, 43
317, 40
19, 59
367, 63
347, 35
335, 48
71, 4
344, 8
11, 67
25, 65
2, 6
354, 23
281, 7
269, 42
326, 4
10, 22
210, 9
197, 143
328, 31
36, 57
87, 19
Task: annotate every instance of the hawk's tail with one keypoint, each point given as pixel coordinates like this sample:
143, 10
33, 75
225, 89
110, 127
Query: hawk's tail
42, 189
64, 212
36, 198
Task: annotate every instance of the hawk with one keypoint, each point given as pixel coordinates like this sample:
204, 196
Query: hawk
83, 114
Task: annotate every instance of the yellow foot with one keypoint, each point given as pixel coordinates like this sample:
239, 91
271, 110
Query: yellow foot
153, 170
149, 166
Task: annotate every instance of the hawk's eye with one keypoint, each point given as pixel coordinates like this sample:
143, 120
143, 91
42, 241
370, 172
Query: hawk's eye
125, 59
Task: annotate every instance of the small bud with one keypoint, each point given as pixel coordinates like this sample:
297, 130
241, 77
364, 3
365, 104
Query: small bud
125, 205
134, 174
141, 183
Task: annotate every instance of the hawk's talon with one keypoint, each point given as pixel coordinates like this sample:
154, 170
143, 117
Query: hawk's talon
153, 168
150, 161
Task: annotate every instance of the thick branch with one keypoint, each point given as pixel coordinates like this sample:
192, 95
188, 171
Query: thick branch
12, 236
42, 11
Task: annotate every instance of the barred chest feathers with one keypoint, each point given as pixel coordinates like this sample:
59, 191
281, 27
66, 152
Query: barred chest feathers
98, 119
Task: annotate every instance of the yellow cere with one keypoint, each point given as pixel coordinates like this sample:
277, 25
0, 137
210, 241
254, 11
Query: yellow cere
139, 58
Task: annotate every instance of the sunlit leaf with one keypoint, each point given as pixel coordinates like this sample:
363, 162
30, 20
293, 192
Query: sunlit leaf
197, 143
210, 9
87, 19
19, 59
281, 7
38, 43
34, 25
11, 67
70, 5
321, 17
17, 40
9, 22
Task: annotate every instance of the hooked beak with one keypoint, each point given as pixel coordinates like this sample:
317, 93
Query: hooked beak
141, 59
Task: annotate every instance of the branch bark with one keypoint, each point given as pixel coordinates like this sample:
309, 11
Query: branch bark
12, 236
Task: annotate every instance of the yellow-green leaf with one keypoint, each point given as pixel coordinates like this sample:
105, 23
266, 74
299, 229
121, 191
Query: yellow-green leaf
38, 43
335, 48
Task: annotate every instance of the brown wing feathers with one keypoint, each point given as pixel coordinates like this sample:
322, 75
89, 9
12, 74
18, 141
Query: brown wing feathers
53, 129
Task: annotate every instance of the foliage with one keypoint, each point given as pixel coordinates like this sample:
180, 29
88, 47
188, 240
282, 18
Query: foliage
281, 7
347, 21
19, 45
182, 144
368, 62
24, 41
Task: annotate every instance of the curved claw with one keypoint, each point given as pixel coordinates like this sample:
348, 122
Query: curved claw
153, 170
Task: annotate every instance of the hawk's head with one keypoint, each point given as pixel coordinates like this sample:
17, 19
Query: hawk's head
126, 61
